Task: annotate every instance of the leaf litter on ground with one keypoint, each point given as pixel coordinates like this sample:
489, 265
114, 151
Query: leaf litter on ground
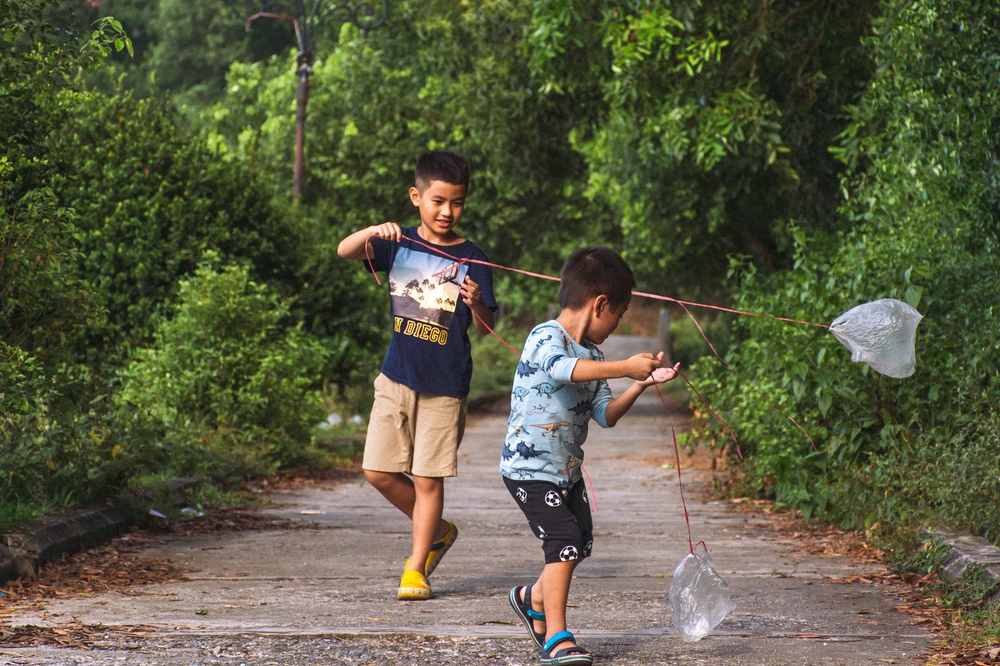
115, 567
921, 595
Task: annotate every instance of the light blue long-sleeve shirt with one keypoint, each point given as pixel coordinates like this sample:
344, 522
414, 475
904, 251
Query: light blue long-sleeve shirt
549, 413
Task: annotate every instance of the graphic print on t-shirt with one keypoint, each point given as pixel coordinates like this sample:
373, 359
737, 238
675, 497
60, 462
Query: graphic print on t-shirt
424, 287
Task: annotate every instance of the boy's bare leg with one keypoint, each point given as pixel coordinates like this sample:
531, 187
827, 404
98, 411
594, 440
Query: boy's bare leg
552, 588
395, 487
414, 497
427, 507
536, 604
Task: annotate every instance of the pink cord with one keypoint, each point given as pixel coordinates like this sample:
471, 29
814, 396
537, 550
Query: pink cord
677, 462
593, 495
683, 304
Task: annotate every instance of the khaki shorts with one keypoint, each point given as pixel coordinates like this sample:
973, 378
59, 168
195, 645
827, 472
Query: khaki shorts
412, 432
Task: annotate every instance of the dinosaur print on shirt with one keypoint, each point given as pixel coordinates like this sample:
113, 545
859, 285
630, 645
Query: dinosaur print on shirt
545, 434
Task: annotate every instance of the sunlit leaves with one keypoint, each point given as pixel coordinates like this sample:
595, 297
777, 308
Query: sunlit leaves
921, 183
712, 133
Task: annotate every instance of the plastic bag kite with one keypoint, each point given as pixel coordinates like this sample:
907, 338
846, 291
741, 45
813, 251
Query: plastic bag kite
699, 598
881, 334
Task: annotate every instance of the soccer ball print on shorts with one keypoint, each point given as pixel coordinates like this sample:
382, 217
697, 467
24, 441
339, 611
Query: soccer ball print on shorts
560, 518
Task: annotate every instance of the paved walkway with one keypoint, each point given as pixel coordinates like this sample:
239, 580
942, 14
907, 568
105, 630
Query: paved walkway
282, 590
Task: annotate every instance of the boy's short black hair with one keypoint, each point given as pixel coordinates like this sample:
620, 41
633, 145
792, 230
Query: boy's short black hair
442, 165
592, 271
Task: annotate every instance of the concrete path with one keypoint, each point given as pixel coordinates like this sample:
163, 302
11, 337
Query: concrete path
340, 579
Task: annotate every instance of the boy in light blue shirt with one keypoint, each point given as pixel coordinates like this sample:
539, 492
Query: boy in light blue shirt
560, 384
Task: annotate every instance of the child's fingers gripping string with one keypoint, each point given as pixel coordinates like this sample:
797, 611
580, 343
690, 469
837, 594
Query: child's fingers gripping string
368, 258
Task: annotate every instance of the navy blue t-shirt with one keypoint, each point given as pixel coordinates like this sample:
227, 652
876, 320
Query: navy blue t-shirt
430, 350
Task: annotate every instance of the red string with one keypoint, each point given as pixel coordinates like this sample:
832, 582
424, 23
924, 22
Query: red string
684, 305
677, 459
709, 407
495, 334
593, 495
722, 309
368, 258
643, 294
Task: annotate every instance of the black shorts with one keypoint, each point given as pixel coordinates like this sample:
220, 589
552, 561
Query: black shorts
560, 518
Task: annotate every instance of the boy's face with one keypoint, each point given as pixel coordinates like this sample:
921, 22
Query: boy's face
605, 322
440, 207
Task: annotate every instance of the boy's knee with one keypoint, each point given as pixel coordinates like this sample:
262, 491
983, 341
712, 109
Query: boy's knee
428, 484
380, 479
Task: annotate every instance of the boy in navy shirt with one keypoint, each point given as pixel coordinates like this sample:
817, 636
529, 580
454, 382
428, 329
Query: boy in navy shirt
418, 418
560, 385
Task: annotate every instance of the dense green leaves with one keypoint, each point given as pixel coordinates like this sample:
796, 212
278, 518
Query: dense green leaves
922, 187
705, 125
235, 390
43, 302
151, 199
187, 47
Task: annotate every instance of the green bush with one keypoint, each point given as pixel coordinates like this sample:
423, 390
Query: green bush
43, 303
234, 387
923, 188
107, 201
150, 198
53, 455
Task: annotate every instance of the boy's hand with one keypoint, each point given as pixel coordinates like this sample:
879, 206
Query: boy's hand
641, 366
471, 292
388, 231
660, 375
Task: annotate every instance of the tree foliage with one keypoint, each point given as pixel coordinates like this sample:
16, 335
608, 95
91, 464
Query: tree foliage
186, 47
705, 124
235, 388
151, 198
437, 75
922, 183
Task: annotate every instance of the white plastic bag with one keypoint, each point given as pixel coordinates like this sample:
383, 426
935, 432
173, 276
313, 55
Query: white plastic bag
699, 598
881, 334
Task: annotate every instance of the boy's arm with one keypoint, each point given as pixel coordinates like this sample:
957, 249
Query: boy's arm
620, 405
353, 247
472, 295
638, 367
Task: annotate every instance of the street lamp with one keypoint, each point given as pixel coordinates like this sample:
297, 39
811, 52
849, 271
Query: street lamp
364, 15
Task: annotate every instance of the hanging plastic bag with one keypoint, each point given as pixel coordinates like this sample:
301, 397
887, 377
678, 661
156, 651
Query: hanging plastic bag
881, 334
699, 598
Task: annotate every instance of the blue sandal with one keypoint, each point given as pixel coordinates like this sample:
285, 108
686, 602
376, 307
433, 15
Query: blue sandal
571, 656
526, 614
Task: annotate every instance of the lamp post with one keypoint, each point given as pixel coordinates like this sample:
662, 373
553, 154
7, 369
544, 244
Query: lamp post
364, 15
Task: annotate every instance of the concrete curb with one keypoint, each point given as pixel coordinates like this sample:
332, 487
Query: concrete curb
76, 530
967, 551
54, 536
